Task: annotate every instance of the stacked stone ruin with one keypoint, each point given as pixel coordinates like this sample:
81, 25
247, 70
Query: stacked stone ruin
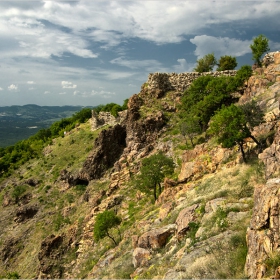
180, 82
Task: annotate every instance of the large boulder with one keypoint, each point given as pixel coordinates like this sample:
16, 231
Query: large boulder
184, 218
156, 238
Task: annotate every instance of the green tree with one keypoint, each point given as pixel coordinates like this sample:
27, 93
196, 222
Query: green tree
259, 47
226, 63
206, 63
104, 222
189, 127
153, 170
230, 124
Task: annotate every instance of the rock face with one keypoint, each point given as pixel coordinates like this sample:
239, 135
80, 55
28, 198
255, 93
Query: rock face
263, 235
108, 148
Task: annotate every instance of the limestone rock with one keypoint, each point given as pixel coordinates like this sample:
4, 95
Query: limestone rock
156, 238
140, 256
263, 236
186, 216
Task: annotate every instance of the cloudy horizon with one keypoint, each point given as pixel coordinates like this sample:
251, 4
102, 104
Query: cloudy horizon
95, 52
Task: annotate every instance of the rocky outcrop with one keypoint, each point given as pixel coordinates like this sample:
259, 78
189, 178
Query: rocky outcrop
52, 251
107, 149
156, 238
271, 156
184, 218
199, 161
26, 212
263, 236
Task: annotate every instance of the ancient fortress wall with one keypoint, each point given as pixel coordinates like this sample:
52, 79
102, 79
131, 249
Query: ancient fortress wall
180, 82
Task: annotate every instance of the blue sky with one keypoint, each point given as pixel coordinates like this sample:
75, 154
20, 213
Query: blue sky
91, 52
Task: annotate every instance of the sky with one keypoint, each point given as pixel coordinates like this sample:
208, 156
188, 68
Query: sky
91, 52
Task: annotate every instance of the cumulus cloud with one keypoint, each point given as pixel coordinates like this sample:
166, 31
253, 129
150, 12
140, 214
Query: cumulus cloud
1, 89
220, 46
66, 84
13, 87
30, 82
62, 93
46, 92
183, 66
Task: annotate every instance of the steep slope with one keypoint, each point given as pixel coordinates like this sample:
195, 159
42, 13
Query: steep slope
196, 228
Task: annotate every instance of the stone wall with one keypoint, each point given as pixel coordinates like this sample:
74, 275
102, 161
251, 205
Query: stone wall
179, 82
106, 118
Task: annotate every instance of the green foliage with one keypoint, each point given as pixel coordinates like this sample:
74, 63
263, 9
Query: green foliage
10, 275
206, 63
232, 124
226, 63
190, 127
242, 75
59, 221
17, 192
113, 108
153, 170
259, 47
104, 223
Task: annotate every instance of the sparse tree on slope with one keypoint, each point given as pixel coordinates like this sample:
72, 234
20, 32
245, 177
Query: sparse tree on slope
104, 223
153, 170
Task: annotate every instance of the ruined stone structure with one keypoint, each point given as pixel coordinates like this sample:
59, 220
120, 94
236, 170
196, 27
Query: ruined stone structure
179, 82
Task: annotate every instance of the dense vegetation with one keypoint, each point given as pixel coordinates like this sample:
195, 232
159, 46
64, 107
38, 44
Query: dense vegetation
113, 108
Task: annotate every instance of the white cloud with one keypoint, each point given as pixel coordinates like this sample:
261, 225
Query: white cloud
13, 87
30, 82
183, 66
134, 64
220, 46
46, 92
66, 84
1, 89
62, 93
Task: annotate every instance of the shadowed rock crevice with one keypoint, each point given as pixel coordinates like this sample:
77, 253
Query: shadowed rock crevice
108, 148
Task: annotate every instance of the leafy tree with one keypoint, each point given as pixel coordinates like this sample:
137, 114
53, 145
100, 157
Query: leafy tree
230, 124
206, 63
259, 47
190, 127
104, 223
226, 63
153, 170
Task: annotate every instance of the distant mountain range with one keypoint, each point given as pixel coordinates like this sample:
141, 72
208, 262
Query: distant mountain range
20, 122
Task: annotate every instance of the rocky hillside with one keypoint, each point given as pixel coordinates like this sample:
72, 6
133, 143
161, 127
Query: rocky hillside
216, 217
